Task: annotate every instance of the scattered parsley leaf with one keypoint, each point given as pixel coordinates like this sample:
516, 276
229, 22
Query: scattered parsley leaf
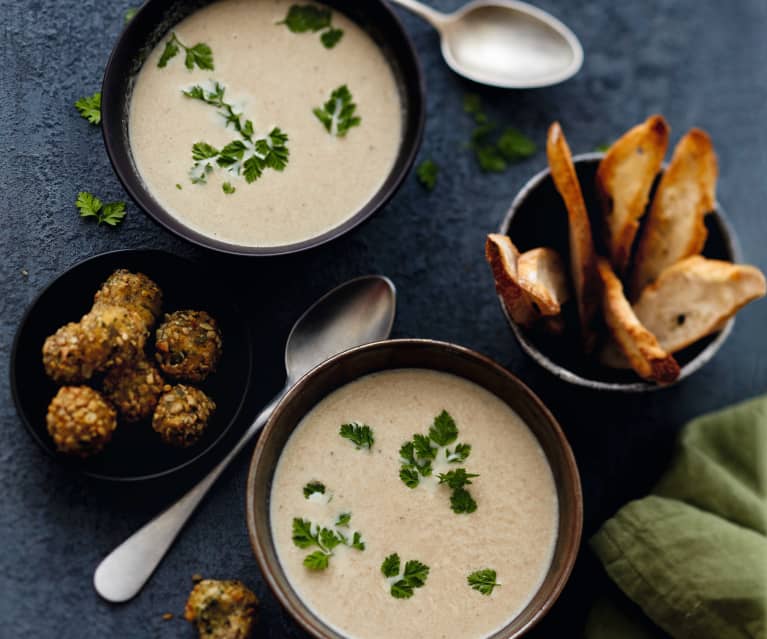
306, 17
462, 502
357, 541
331, 37
90, 107
317, 560
490, 159
359, 434
515, 146
337, 114
90, 206
329, 539
390, 565
416, 573
443, 431
227, 188
461, 452
457, 478
302, 533
427, 173
203, 151
483, 580
344, 519
130, 14
409, 476
178, 186
199, 55
313, 486
423, 448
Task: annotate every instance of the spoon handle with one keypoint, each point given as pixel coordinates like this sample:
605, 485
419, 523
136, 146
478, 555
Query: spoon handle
124, 571
435, 18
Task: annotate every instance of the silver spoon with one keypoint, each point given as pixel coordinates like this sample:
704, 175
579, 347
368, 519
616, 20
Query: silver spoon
504, 43
357, 312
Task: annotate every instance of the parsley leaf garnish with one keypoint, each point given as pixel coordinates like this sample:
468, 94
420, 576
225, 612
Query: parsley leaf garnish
305, 535
227, 188
337, 114
483, 580
462, 502
344, 519
427, 173
414, 576
199, 55
304, 18
314, 487
359, 434
90, 107
248, 156
91, 206
461, 452
493, 157
443, 431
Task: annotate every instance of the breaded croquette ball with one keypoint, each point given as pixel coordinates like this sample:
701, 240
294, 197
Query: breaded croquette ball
121, 328
80, 421
131, 290
134, 389
188, 345
222, 609
182, 415
71, 355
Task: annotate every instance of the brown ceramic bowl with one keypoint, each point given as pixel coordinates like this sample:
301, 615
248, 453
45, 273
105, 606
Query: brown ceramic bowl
537, 217
414, 353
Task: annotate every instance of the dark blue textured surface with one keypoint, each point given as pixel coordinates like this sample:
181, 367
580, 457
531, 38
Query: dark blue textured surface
698, 63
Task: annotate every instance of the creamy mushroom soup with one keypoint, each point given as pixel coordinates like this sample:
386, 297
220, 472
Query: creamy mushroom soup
462, 572
273, 78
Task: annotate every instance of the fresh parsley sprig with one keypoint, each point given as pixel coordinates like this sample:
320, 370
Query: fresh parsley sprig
361, 435
427, 173
314, 487
417, 458
483, 581
413, 576
249, 156
90, 206
310, 17
199, 55
494, 156
338, 113
307, 535
89, 107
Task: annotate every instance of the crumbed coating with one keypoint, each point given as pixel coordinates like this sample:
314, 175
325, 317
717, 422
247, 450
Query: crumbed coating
72, 355
182, 415
222, 609
188, 345
134, 389
134, 291
121, 328
80, 421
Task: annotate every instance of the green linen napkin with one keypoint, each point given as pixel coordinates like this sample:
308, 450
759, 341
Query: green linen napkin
693, 556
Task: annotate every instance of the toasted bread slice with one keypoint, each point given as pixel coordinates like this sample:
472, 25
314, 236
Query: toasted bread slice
638, 344
583, 264
675, 226
624, 179
694, 297
502, 256
543, 276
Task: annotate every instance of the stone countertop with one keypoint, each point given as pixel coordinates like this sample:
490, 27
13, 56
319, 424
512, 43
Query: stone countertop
698, 63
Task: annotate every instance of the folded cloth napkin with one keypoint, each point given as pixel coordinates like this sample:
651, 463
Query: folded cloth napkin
693, 555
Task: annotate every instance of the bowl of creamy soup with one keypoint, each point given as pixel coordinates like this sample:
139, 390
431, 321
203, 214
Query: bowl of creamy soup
414, 488
262, 127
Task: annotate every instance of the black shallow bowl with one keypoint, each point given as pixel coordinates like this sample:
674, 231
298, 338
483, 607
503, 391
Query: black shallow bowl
135, 452
157, 17
439, 356
537, 217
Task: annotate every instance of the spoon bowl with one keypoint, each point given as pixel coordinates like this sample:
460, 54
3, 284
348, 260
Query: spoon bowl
505, 43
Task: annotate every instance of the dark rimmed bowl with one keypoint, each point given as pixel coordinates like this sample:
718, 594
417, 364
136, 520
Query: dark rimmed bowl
135, 452
414, 353
537, 217
157, 17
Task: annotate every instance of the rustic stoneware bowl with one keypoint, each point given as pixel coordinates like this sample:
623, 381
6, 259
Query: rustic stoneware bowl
151, 24
538, 217
414, 353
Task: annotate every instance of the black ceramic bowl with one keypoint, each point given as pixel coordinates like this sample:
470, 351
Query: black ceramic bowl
433, 355
150, 25
537, 217
135, 452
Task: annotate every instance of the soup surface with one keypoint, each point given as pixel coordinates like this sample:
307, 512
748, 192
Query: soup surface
275, 78
512, 530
